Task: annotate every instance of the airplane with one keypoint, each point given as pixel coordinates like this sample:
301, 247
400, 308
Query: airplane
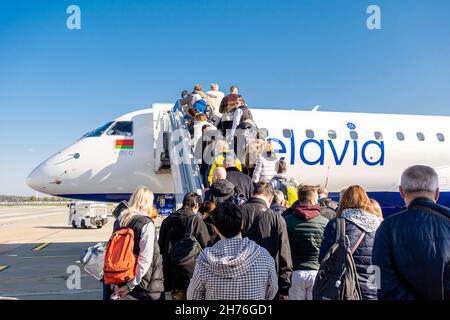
332, 149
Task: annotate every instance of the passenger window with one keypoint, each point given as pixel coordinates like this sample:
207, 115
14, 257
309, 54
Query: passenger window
121, 128
400, 136
420, 136
440, 137
263, 133
332, 134
354, 135
309, 134
287, 133
378, 135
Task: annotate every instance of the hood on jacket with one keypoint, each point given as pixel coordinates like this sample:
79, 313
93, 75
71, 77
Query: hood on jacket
257, 201
233, 169
184, 212
365, 220
222, 188
306, 212
230, 258
330, 203
278, 208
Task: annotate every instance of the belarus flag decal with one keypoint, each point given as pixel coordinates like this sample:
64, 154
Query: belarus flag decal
124, 144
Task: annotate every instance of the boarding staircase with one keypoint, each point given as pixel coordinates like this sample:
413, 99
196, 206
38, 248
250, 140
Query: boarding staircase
174, 155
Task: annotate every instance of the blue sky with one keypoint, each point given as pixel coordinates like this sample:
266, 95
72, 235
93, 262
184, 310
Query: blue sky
56, 84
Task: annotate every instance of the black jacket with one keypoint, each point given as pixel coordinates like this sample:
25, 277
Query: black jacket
278, 208
152, 283
173, 228
412, 250
268, 229
328, 208
220, 191
213, 236
241, 180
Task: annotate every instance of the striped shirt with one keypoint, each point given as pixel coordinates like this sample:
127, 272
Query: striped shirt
265, 169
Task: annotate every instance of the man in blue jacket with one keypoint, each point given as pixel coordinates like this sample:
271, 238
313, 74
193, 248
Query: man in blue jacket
412, 248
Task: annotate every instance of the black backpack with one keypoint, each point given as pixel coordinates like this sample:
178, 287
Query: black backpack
237, 198
183, 255
337, 278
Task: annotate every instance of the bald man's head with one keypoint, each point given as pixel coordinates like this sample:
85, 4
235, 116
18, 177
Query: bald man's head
219, 174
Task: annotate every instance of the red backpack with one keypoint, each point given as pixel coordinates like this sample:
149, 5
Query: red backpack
120, 261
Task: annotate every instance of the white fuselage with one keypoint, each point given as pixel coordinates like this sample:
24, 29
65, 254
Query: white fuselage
96, 168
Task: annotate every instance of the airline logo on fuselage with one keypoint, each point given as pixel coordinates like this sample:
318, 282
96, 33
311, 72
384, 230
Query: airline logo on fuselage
315, 151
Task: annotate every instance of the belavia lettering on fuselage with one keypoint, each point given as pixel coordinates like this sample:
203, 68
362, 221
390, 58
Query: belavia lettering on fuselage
353, 149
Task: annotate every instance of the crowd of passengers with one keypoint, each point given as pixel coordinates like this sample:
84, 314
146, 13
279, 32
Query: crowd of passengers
265, 236
222, 127
267, 249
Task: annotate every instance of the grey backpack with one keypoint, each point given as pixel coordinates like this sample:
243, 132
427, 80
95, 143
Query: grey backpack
337, 278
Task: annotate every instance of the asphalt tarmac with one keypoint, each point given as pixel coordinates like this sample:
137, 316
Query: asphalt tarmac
39, 251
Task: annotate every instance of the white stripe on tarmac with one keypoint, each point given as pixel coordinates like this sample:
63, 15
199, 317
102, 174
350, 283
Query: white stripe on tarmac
46, 257
19, 210
7, 220
23, 214
52, 293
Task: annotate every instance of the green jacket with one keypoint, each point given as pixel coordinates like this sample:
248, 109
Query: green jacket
305, 228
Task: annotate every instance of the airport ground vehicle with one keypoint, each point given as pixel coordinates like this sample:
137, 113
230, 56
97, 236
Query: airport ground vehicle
88, 214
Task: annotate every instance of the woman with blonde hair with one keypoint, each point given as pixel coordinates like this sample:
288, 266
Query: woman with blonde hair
147, 283
360, 228
375, 208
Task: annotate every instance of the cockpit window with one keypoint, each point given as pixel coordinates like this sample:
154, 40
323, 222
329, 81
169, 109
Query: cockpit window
99, 131
121, 128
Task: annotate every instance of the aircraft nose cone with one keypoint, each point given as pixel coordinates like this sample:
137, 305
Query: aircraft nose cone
35, 180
